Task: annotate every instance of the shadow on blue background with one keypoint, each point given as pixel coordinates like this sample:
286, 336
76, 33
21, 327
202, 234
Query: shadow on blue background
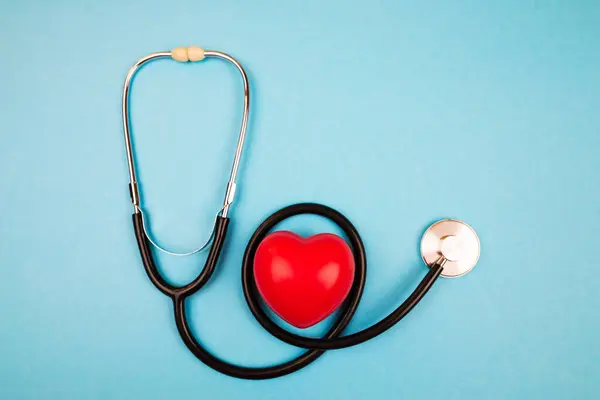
396, 113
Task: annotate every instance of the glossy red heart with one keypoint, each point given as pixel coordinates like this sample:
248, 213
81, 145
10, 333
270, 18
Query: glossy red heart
303, 280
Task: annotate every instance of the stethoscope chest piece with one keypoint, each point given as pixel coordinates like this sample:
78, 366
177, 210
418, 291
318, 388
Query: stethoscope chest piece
453, 240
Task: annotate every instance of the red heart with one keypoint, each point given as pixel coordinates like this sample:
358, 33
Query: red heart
303, 280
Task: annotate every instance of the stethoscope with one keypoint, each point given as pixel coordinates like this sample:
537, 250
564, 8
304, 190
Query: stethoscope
449, 247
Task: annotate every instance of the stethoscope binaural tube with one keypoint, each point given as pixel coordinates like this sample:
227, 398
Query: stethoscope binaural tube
315, 346
183, 54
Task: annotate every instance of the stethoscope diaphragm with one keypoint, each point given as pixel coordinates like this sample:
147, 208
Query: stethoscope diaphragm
453, 240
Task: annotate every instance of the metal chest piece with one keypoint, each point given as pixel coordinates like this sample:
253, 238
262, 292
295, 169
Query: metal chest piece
453, 240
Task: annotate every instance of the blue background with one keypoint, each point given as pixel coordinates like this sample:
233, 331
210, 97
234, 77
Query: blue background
396, 113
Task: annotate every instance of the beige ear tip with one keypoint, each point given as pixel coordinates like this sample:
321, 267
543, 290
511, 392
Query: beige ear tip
195, 53
180, 54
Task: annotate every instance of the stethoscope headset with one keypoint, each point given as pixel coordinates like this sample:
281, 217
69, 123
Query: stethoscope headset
449, 248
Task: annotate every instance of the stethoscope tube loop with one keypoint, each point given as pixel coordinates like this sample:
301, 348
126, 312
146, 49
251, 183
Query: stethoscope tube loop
331, 340
360, 259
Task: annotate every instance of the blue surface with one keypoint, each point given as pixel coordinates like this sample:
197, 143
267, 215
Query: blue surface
396, 113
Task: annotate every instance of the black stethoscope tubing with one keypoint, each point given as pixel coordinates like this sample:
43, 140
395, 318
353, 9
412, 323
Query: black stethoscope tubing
179, 294
316, 346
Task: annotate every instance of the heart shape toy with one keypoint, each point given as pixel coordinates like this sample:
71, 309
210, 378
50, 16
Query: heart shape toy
303, 280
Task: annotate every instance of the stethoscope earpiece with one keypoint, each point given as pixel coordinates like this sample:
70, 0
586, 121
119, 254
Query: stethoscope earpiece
453, 242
